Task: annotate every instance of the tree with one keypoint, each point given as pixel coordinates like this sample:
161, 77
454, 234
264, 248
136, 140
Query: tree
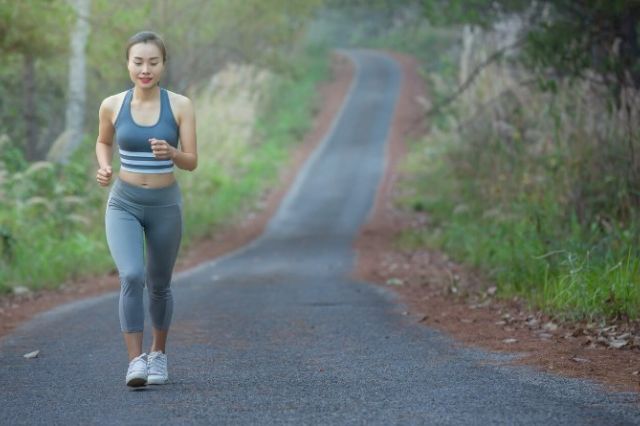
31, 29
596, 40
77, 78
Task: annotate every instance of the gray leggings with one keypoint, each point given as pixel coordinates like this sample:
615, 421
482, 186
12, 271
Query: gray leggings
136, 215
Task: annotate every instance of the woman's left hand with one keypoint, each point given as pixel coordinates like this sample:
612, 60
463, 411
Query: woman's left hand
162, 150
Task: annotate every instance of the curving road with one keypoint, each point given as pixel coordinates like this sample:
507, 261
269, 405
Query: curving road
276, 333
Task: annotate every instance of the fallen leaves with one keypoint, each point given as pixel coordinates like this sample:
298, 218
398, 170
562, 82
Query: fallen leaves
609, 337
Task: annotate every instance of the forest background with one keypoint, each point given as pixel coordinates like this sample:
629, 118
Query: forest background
529, 169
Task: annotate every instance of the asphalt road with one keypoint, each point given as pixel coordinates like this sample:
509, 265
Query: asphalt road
276, 333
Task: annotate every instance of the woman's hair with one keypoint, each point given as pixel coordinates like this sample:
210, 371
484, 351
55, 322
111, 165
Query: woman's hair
144, 37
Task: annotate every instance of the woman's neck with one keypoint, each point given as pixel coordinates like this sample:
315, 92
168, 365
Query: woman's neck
146, 95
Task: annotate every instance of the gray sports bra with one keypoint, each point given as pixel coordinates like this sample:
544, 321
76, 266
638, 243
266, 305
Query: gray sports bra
133, 139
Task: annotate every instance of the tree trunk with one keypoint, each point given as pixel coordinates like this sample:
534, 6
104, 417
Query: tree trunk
29, 107
630, 50
74, 124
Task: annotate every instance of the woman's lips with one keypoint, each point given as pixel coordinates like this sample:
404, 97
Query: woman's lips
146, 80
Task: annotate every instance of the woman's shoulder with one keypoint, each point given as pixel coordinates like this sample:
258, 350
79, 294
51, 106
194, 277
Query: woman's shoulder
181, 106
110, 106
178, 99
113, 102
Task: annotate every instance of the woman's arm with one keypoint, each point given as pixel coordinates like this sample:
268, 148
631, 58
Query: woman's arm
187, 157
104, 143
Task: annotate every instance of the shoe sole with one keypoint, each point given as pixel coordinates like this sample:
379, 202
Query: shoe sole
156, 381
137, 382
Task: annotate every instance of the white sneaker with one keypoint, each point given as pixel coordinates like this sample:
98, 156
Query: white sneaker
137, 372
157, 365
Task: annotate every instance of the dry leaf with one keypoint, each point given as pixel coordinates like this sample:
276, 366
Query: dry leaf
31, 354
618, 343
533, 323
577, 332
511, 340
578, 359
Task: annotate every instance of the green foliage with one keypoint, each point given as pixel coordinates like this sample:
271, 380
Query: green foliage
47, 223
33, 27
562, 39
483, 13
32, 31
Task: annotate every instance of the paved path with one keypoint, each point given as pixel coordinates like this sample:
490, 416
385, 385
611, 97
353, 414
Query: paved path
277, 333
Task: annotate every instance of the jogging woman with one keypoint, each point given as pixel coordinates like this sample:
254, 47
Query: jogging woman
145, 203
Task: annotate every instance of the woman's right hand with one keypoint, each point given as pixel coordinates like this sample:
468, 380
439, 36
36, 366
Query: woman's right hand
104, 175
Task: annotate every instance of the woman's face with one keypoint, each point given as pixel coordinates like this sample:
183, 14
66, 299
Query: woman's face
145, 64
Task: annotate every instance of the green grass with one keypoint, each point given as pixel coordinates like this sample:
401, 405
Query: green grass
527, 244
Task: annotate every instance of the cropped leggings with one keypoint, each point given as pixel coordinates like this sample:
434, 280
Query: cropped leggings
137, 217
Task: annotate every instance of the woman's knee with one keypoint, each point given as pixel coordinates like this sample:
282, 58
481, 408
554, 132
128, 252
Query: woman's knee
159, 292
132, 280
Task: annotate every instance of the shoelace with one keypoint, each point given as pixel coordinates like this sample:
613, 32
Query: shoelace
157, 361
135, 363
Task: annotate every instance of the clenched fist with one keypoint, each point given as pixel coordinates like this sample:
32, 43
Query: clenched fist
104, 175
161, 149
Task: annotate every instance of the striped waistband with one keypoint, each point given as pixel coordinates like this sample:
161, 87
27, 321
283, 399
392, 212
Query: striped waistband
144, 162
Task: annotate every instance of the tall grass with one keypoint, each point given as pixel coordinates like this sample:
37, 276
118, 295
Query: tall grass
52, 217
537, 188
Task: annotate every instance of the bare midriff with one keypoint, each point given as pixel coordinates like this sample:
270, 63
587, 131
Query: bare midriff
147, 180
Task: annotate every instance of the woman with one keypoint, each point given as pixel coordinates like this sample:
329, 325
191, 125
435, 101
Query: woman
145, 203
